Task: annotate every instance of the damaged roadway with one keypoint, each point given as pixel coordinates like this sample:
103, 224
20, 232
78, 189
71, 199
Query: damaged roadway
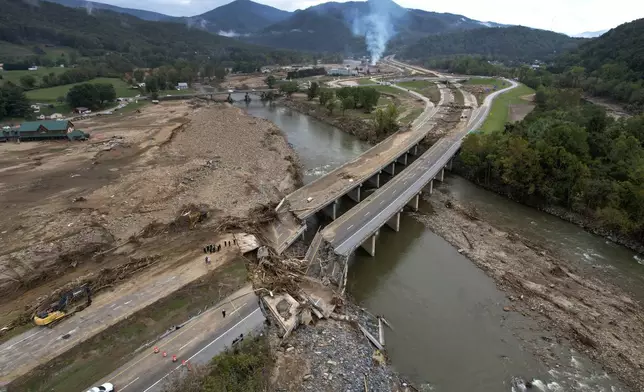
197, 342
129, 213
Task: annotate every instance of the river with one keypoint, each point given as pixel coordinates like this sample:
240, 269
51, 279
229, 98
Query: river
450, 330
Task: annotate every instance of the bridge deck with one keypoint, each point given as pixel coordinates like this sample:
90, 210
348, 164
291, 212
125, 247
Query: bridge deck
350, 230
332, 186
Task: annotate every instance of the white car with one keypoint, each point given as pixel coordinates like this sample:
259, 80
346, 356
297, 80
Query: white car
231, 91
107, 387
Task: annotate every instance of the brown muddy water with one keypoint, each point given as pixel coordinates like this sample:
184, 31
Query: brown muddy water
450, 331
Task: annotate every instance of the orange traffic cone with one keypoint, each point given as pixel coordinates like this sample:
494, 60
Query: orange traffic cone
165, 354
174, 358
156, 350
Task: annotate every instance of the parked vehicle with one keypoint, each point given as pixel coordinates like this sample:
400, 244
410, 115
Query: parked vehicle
107, 387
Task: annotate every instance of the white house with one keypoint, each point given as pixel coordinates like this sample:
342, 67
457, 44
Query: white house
56, 116
182, 86
33, 68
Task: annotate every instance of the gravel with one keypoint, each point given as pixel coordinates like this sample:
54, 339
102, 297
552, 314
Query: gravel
333, 356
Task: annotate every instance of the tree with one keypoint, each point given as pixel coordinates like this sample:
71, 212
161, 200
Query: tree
270, 81
289, 88
326, 95
386, 120
209, 70
13, 101
151, 84
313, 90
220, 73
27, 81
348, 103
332, 104
139, 75
106, 92
84, 95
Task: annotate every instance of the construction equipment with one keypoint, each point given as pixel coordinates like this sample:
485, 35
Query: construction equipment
59, 310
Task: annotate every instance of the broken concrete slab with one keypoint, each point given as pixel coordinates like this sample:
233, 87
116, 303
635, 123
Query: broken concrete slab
246, 242
285, 310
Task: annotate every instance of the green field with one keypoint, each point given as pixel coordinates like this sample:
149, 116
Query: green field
50, 94
487, 81
364, 81
424, 87
500, 108
411, 116
389, 90
14, 76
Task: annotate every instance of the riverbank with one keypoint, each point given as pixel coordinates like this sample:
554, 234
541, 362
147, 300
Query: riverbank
358, 127
584, 222
595, 317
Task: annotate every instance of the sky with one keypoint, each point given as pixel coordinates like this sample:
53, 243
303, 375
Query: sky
564, 16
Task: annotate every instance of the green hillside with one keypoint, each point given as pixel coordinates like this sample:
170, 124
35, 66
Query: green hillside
507, 44
121, 40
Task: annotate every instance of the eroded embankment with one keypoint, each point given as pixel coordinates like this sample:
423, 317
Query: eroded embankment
148, 189
599, 319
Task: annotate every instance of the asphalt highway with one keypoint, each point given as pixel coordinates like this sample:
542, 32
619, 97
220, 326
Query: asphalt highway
313, 197
355, 226
37, 346
197, 342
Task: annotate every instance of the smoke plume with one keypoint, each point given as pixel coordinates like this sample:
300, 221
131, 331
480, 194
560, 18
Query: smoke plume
376, 27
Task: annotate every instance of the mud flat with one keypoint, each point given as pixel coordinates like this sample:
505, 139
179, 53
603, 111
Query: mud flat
597, 318
149, 188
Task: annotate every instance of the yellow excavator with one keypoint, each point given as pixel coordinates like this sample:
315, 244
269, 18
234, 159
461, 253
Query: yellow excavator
58, 310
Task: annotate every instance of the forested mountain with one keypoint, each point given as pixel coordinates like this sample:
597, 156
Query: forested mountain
610, 66
92, 6
123, 41
514, 43
239, 17
331, 26
310, 31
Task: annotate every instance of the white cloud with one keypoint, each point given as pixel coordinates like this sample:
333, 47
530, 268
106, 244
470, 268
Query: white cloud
566, 16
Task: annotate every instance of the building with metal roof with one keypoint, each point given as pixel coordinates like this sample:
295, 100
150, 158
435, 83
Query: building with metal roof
43, 130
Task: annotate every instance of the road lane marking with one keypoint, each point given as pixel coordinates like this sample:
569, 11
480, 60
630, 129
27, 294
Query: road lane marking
190, 341
128, 384
183, 330
205, 347
23, 339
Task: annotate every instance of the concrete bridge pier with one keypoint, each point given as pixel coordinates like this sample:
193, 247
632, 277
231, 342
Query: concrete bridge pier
441, 177
402, 159
413, 203
449, 164
370, 244
354, 194
332, 210
374, 180
390, 168
394, 222
413, 151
